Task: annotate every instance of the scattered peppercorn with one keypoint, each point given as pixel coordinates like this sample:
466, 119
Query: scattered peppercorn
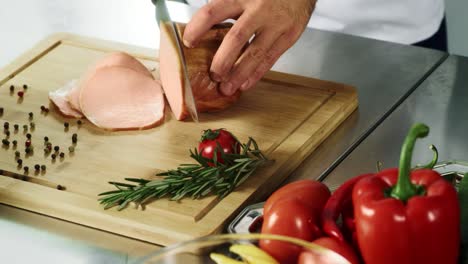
56, 148
42, 108
43, 167
71, 148
12, 88
1, 111
66, 124
16, 127
7, 133
46, 139
26, 169
25, 127
60, 187
49, 145
25, 86
20, 162
21, 94
17, 154
46, 110
28, 136
62, 155
32, 125
6, 125
28, 150
31, 115
74, 138
5, 142
27, 143
37, 167
79, 122
15, 142
53, 156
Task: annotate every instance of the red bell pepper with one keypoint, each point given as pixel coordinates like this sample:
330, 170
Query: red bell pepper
407, 217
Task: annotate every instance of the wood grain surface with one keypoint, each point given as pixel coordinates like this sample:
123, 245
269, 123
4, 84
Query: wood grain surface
288, 115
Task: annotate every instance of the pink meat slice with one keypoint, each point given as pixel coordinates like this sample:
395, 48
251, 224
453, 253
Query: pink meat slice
170, 72
119, 98
59, 98
120, 59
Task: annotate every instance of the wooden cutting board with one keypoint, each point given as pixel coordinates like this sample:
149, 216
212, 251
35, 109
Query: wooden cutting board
288, 115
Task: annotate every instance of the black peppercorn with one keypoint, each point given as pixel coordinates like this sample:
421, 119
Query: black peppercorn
66, 124
14, 142
28, 150
79, 122
42, 108
31, 115
7, 133
25, 127
56, 148
60, 187
5, 142
46, 110
17, 154
20, 162
1, 110
32, 125
6, 125
43, 167
25, 86
53, 156
26, 169
62, 155
37, 167
28, 136
74, 138
16, 127
46, 139
12, 88
71, 149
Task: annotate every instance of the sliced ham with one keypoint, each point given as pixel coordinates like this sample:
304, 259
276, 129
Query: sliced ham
206, 93
120, 98
121, 59
59, 98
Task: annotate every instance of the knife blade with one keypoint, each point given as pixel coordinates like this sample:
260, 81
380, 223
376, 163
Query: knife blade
36, 180
165, 23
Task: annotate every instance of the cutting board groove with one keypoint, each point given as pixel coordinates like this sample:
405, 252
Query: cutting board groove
288, 115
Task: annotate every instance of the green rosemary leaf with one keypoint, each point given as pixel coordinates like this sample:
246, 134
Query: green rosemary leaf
109, 192
122, 184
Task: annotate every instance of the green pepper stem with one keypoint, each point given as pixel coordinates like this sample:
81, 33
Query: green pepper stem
434, 160
404, 189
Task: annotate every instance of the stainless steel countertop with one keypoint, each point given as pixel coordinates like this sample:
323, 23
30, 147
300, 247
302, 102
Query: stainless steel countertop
441, 102
383, 73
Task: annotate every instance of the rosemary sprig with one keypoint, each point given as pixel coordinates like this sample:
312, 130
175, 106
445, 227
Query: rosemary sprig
193, 180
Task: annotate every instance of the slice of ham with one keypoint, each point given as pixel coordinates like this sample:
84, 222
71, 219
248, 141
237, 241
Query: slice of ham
120, 98
121, 59
206, 94
59, 99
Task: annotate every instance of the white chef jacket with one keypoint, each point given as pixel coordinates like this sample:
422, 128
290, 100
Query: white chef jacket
401, 21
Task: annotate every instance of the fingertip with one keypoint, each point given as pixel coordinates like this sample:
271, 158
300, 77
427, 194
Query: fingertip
215, 77
227, 89
188, 43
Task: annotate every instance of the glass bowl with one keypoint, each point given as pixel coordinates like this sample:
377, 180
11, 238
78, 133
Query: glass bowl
199, 250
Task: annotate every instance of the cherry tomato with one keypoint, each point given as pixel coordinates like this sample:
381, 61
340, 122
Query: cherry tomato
211, 138
312, 193
341, 248
289, 217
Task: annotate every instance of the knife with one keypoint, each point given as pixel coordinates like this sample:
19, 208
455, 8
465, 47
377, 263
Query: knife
36, 180
163, 18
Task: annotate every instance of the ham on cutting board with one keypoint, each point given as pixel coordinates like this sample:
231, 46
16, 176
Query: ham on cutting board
120, 98
119, 93
205, 91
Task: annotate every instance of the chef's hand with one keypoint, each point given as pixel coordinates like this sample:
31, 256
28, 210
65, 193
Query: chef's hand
277, 24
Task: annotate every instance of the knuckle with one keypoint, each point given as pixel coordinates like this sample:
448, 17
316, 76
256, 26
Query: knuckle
237, 34
256, 53
208, 10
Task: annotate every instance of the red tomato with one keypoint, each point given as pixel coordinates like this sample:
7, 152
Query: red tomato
211, 138
289, 217
311, 193
341, 248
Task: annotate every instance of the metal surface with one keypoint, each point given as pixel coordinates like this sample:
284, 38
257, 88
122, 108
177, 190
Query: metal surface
441, 102
382, 72
164, 20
